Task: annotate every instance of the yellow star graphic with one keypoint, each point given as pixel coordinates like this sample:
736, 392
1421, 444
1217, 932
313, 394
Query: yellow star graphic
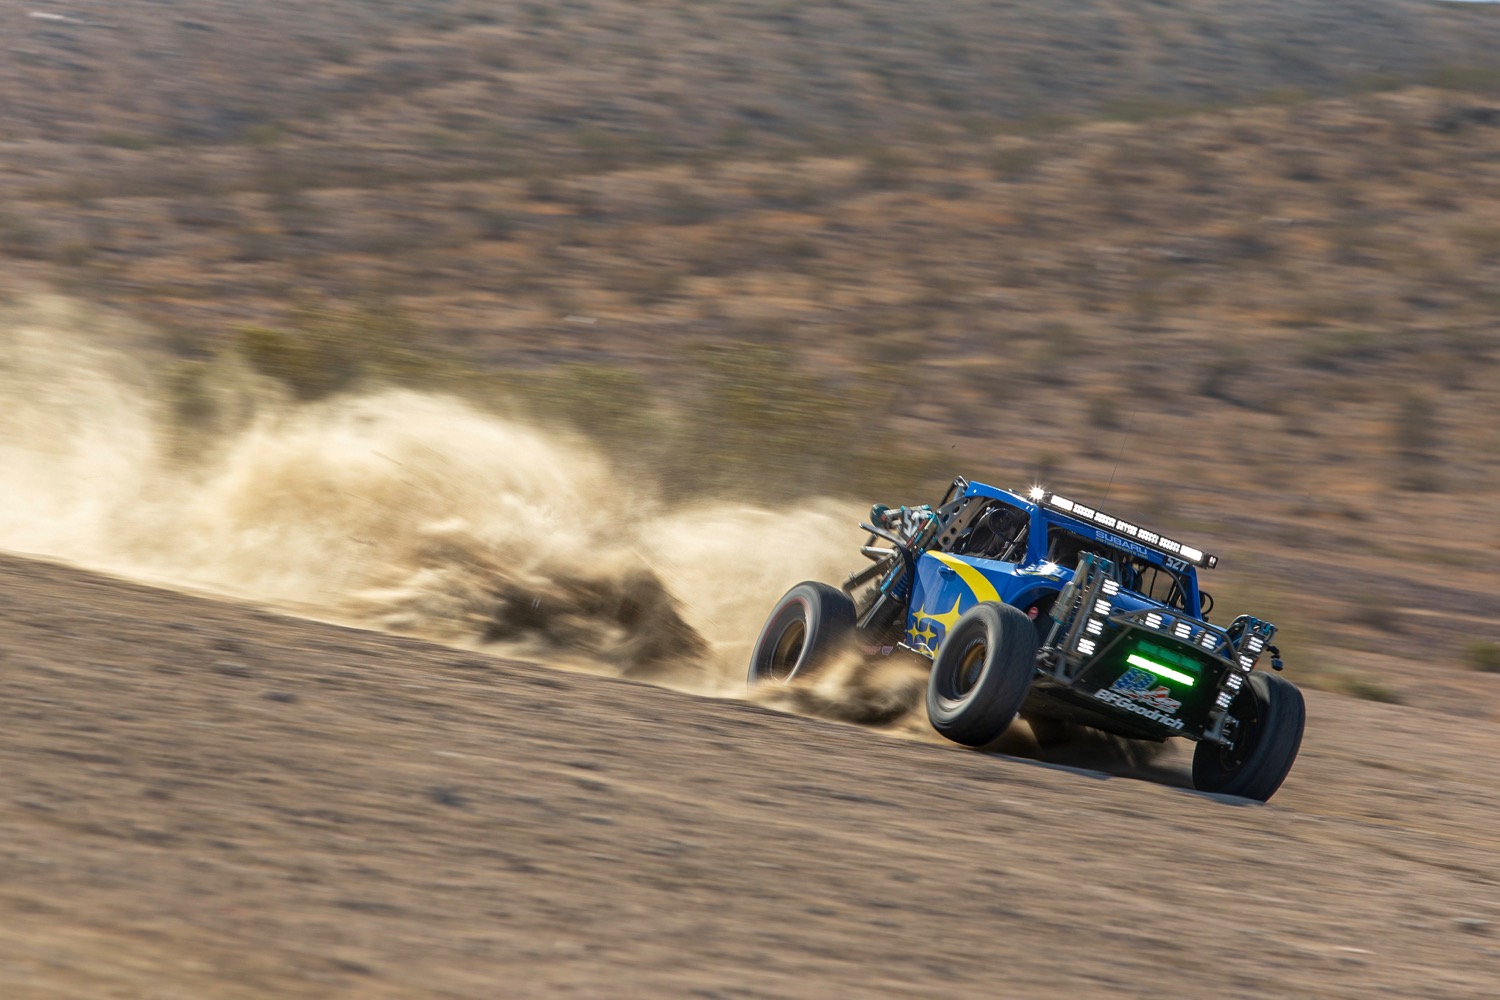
920, 629
946, 620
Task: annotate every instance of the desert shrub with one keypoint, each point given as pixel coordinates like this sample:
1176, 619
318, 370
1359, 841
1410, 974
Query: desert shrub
1014, 163
494, 224
748, 417
21, 238
1482, 240
752, 413
187, 392
1104, 412
1247, 243
325, 350
684, 206
795, 248
1337, 350
886, 169
311, 367
1368, 690
204, 213
1301, 165
1414, 435
1479, 79
74, 254
1055, 356
753, 419
1216, 375
601, 150
1373, 613
262, 135
254, 245
609, 404
1145, 109
1483, 656
646, 284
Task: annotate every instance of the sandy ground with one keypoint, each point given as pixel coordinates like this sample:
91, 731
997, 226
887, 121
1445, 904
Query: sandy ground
202, 799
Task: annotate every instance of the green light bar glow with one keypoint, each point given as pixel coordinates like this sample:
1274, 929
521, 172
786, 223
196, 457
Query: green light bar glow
1136, 660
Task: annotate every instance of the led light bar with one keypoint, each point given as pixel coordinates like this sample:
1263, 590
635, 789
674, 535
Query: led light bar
1160, 669
1170, 546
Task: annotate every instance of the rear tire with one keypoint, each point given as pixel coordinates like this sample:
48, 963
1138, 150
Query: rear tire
809, 626
981, 674
1271, 716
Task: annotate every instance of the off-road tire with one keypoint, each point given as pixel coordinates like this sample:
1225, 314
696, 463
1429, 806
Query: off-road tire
1272, 715
981, 674
807, 628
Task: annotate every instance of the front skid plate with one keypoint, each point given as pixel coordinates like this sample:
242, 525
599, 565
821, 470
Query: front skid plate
1058, 702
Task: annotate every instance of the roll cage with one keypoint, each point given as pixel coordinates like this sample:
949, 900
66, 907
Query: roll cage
991, 523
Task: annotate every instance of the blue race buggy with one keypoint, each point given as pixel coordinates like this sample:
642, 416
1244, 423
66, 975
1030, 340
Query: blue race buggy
1041, 606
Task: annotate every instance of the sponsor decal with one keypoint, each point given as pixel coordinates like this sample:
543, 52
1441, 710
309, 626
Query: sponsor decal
1143, 687
1120, 701
921, 629
1123, 543
1137, 691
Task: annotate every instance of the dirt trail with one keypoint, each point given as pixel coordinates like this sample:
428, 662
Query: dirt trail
206, 800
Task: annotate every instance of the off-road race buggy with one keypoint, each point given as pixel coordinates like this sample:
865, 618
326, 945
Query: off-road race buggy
1038, 605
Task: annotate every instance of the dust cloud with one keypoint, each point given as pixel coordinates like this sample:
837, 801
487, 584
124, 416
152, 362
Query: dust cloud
398, 510
881, 692
417, 514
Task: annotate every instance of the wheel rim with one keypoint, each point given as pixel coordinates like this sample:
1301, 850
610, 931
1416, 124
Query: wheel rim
970, 666
788, 650
1247, 735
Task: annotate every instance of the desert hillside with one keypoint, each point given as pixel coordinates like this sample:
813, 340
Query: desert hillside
410, 408
1242, 291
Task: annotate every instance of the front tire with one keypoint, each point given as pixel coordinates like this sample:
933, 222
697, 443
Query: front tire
809, 626
981, 674
1271, 714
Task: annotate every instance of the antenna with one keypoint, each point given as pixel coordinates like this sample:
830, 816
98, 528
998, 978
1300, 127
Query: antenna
1123, 442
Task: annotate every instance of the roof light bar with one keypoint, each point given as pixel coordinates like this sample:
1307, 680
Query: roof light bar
1170, 546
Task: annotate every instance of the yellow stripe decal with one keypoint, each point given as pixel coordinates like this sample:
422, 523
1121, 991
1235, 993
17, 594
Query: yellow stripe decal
981, 587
